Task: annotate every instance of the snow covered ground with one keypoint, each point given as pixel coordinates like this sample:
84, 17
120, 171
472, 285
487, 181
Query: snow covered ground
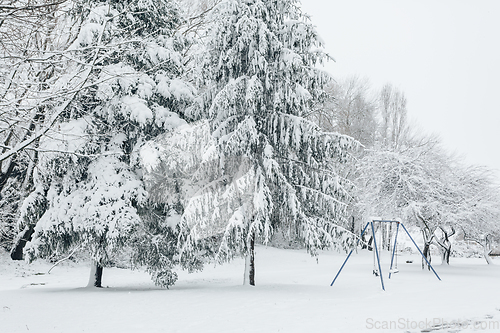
293, 294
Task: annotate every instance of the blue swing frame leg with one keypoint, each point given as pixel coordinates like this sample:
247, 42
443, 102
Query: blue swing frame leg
428, 263
394, 249
378, 257
352, 250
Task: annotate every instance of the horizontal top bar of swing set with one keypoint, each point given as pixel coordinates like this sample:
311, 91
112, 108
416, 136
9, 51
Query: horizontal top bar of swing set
386, 221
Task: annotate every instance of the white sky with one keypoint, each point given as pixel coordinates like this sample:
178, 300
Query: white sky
443, 54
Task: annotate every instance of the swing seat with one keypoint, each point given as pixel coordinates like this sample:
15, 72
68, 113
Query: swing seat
394, 271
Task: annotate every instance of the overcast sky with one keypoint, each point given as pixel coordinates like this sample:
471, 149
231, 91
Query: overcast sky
443, 54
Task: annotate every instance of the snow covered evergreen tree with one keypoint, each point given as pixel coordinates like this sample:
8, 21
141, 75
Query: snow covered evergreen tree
127, 56
253, 165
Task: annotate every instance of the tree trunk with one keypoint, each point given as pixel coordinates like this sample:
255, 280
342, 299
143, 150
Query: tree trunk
487, 247
445, 244
383, 239
389, 238
24, 236
95, 278
446, 255
249, 278
427, 255
487, 257
5, 176
446, 250
369, 246
427, 236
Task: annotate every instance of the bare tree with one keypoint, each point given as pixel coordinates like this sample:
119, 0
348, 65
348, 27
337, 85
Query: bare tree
433, 190
349, 109
196, 13
394, 128
22, 20
477, 206
28, 65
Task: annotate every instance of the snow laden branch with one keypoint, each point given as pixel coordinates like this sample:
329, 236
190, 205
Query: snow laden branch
81, 79
8, 10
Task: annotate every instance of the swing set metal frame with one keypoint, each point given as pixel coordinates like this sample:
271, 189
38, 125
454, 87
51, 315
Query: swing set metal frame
376, 250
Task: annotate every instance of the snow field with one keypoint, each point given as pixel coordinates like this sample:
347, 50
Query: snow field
293, 294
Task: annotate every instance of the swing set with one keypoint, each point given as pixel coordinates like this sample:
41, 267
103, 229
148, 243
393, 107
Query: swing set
393, 268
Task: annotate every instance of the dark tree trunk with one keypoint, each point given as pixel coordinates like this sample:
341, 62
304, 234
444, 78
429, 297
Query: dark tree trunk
446, 255
250, 263
427, 255
446, 249
369, 246
24, 236
98, 276
17, 249
389, 238
445, 244
95, 279
5, 177
251, 274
